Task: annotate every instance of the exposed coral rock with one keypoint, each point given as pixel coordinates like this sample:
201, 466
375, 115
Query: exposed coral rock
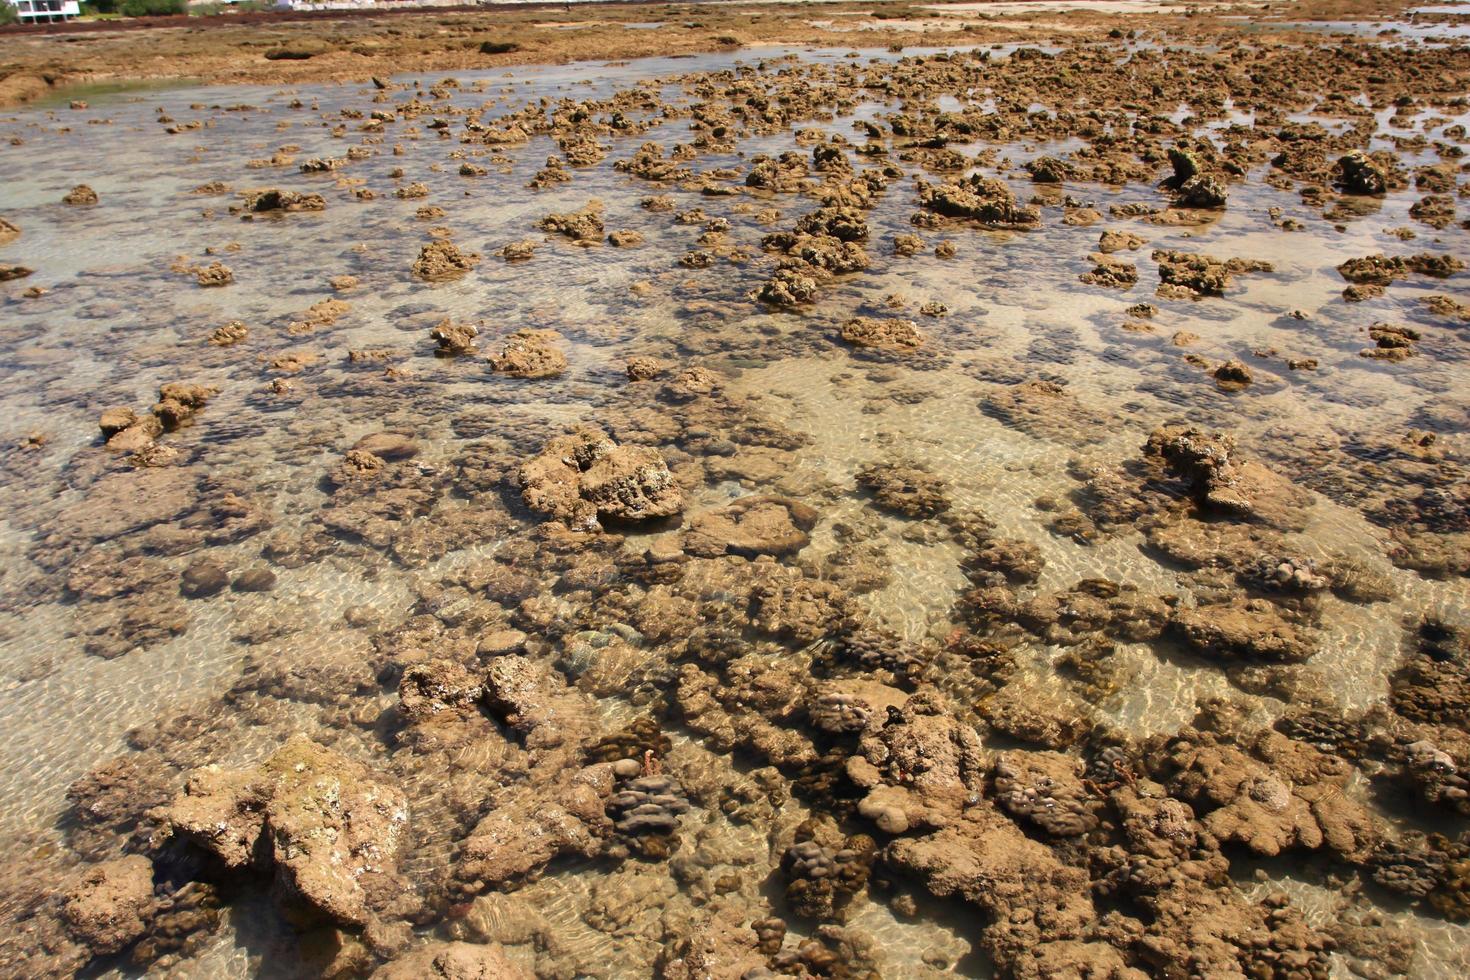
455, 338
1220, 479
442, 261
788, 287
80, 194
320, 823
584, 225
274, 199
585, 477
178, 402
1358, 174
979, 198
1381, 270
1201, 275
894, 335
529, 354
644, 368
213, 275
1110, 272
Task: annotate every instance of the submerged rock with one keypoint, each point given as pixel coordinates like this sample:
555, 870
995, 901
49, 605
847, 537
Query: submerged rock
751, 526
111, 906
453, 961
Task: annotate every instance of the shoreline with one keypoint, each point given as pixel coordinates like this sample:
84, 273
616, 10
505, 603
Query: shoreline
308, 46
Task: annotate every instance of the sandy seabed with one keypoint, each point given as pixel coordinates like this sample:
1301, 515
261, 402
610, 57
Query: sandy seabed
864, 492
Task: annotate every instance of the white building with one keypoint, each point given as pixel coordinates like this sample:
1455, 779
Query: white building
45, 11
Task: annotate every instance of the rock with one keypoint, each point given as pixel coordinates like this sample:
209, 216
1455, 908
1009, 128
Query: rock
214, 275
257, 579
455, 338
122, 502
690, 385
436, 686
230, 334
529, 354
1233, 375
585, 477
9, 231
527, 829
647, 805
905, 488
179, 402
323, 826
979, 198
751, 526
387, 445
443, 261
1201, 191
202, 579
883, 333
1358, 174
10, 273
644, 368
788, 287
584, 225
453, 961
1116, 241
519, 251
111, 906
1251, 629
1049, 170
287, 202
1046, 789
80, 194
1200, 275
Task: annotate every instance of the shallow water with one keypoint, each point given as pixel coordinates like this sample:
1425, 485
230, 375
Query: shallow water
115, 323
